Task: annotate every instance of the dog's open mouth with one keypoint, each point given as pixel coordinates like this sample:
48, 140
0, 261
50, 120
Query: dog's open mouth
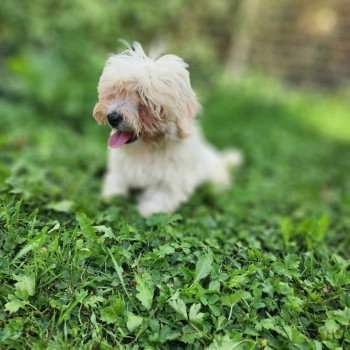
118, 139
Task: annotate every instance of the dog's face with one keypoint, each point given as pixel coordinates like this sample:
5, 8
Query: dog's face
140, 97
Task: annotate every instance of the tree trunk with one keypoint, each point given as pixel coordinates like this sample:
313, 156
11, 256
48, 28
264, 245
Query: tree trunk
238, 54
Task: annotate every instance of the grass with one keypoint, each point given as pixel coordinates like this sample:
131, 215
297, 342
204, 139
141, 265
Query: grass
264, 266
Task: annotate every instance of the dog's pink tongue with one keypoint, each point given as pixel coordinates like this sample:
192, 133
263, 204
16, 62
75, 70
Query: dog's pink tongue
118, 139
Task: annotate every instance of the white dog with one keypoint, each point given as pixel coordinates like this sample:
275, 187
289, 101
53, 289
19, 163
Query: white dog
155, 144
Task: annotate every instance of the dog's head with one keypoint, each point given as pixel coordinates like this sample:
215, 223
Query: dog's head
141, 97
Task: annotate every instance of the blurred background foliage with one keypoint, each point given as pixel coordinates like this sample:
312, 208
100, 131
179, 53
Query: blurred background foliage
53, 51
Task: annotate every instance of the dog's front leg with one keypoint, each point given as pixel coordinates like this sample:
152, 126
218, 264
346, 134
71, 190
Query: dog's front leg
160, 199
114, 185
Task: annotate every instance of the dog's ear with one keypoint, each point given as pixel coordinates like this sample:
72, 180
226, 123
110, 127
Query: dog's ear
99, 113
188, 112
168, 90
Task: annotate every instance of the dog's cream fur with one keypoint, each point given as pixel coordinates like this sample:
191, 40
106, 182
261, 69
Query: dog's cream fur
170, 158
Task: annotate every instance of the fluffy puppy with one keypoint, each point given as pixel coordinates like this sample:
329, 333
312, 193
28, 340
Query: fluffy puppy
155, 144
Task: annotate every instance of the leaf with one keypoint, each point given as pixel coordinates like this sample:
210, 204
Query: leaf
25, 286
79, 298
112, 313
331, 326
294, 302
267, 323
166, 333
178, 305
157, 220
174, 218
55, 227
337, 278
26, 249
214, 285
93, 300
291, 262
164, 250
145, 292
13, 329
108, 315
290, 267
162, 219
133, 321
194, 315
284, 288
215, 310
226, 343
14, 304
233, 299
203, 267
190, 338
321, 228
294, 335
85, 223
65, 206
119, 271
286, 227
342, 316
108, 233
239, 280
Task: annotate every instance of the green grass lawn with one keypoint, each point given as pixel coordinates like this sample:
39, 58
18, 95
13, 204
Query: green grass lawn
263, 266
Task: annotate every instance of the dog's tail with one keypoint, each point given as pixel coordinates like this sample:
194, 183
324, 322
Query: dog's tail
232, 158
220, 175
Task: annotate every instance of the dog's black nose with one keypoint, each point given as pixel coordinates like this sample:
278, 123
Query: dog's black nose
114, 119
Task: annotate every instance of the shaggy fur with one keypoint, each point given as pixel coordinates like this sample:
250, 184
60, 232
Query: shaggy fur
169, 158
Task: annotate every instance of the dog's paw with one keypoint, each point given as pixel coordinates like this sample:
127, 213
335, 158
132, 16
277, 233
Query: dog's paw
108, 192
232, 158
147, 209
